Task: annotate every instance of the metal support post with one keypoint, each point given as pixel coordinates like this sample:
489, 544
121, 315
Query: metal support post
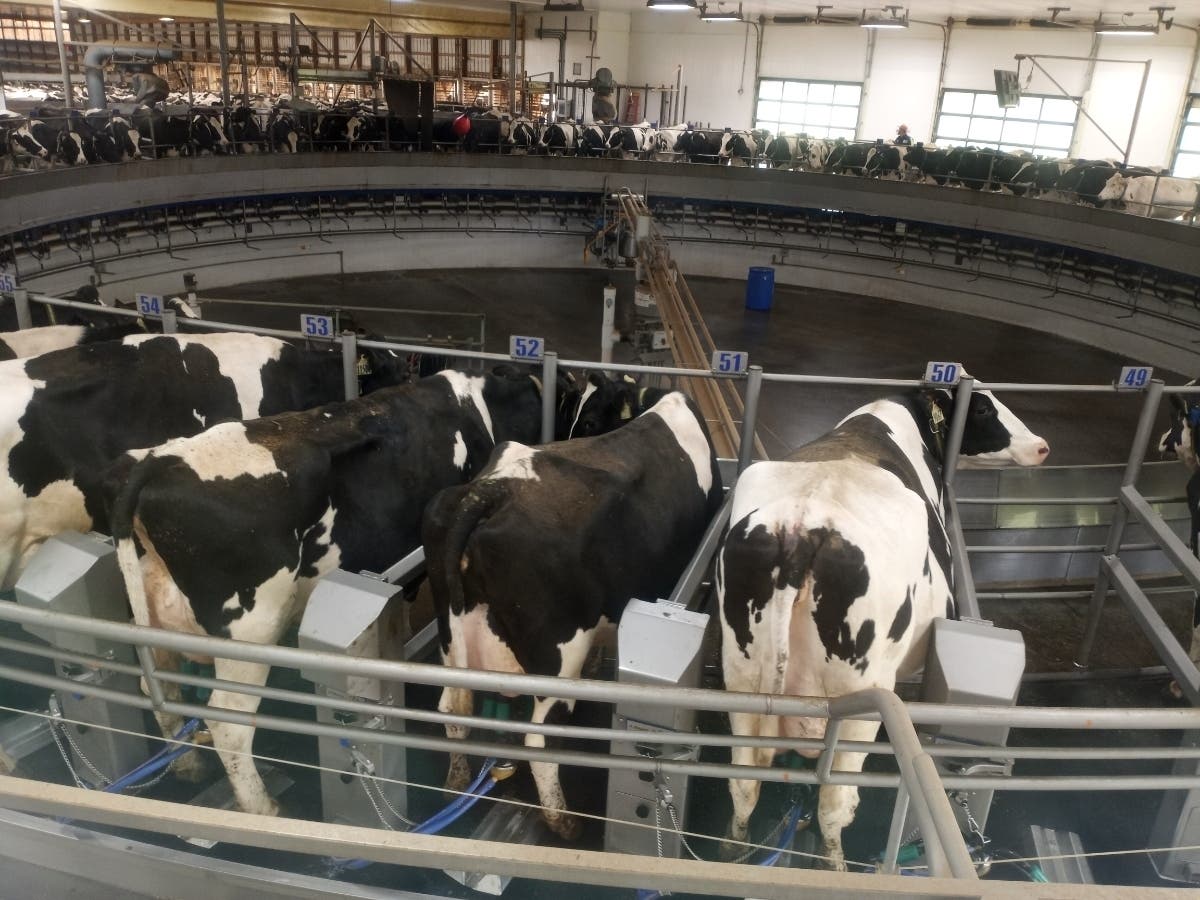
24, 316
350, 364
657, 644
958, 423
607, 323
68, 98
749, 418
170, 323
223, 46
512, 60
1120, 517
549, 394
78, 574
361, 617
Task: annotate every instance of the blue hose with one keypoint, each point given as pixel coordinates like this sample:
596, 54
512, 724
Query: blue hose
789, 834
159, 760
480, 787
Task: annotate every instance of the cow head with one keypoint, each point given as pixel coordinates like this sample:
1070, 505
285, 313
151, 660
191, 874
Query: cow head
24, 139
1114, 187
604, 405
1180, 439
993, 435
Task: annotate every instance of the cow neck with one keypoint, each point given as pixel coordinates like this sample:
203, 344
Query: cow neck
931, 424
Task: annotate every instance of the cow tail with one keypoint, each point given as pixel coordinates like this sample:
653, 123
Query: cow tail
121, 514
476, 505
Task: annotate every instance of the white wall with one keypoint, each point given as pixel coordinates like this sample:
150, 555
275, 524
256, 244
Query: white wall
650, 48
594, 40
711, 55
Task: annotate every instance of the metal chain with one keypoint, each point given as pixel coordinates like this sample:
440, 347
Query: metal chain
366, 779
682, 838
66, 756
56, 714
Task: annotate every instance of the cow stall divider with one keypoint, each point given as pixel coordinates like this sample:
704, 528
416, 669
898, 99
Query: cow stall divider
919, 780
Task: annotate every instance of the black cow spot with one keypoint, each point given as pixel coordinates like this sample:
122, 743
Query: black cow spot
903, 617
840, 577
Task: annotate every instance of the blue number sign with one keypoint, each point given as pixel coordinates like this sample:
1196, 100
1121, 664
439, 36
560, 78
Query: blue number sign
730, 362
150, 304
8, 282
316, 326
1134, 378
943, 373
528, 348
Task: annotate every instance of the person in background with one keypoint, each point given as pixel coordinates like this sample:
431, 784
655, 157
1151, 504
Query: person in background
903, 137
147, 87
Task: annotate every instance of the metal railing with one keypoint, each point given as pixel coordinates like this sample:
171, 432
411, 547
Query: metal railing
915, 784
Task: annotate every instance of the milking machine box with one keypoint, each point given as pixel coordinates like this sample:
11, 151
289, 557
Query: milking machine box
77, 574
339, 618
659, 643
975, 663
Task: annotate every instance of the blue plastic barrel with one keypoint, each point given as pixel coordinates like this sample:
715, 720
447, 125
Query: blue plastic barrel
760, 288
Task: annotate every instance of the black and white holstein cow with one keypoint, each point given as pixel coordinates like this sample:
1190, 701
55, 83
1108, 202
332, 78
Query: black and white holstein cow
66, 415
561, 139
548, 545
743, 148
631, 141
835, 563
47, 338
1180, 441
236, 524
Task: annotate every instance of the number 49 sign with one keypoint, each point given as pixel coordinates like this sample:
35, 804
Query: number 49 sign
1134, 378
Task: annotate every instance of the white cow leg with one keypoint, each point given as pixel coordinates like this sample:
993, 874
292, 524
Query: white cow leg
459, 702
838, 802
545, 776
190, 766
744, 791
234, 743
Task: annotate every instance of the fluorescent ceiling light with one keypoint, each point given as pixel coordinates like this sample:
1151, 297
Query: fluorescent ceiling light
84, 21
892, 20
716, 15
165, 19
1127, 30
670, 5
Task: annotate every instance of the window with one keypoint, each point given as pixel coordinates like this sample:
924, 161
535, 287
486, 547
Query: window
822, 109
1040, 125
1187, 154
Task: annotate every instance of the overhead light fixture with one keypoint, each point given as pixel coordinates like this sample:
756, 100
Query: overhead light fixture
165, 19
671, 5
84, 21
717, 15
893, 19
1127, 30
552, 6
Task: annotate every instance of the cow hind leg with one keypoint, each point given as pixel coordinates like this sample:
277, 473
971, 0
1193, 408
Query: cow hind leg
545, 774
190, 766
839, 802
459, 702
234, 743
744, 792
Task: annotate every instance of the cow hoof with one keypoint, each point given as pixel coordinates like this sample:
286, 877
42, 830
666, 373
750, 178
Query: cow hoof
567, 827
190, 767
459, 776
730, 850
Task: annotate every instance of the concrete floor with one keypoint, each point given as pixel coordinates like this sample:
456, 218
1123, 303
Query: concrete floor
806, 332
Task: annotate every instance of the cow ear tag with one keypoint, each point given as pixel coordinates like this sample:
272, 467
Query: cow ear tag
936, 416
363, 366
1193, 416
